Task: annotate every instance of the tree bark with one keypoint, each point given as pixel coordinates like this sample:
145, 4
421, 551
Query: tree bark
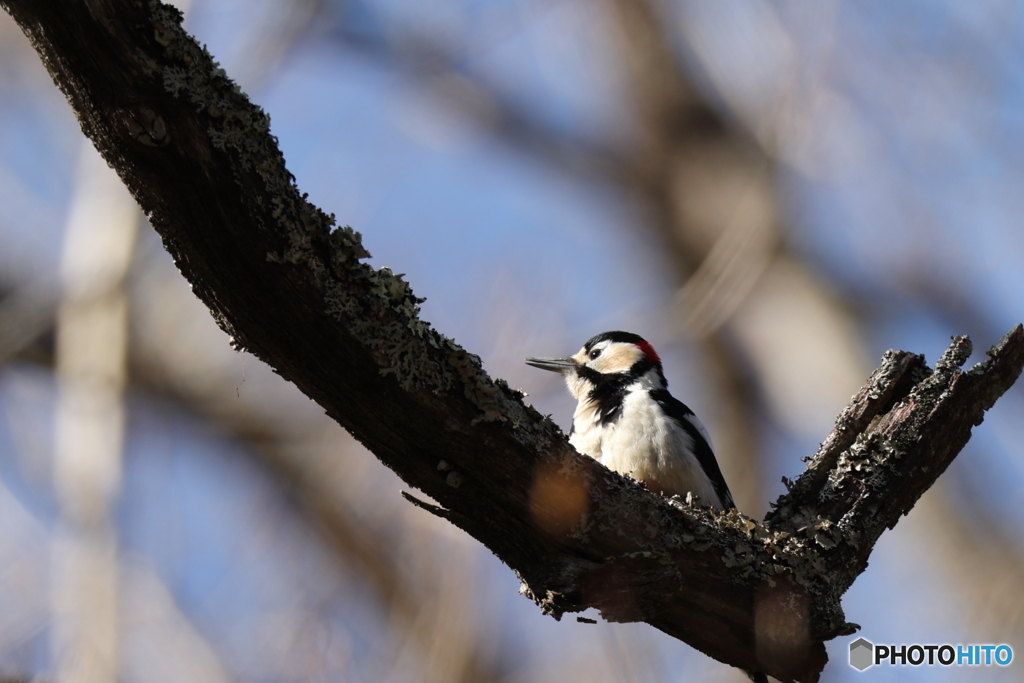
200, 160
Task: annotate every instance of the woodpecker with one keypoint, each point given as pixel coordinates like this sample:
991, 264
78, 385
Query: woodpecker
626, 419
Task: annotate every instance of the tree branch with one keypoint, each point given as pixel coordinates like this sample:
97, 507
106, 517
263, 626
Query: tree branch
198, 157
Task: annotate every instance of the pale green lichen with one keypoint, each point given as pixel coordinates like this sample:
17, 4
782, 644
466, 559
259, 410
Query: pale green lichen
376, 305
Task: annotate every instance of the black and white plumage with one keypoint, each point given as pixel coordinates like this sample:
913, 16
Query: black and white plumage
626, 419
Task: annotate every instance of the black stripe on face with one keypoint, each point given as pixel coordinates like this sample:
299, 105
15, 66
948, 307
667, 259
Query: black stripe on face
607, 392
609, 389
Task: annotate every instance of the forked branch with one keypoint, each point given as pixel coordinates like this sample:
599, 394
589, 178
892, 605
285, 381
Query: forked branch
200, 160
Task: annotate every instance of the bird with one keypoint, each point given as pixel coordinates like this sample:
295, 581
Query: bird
627, 420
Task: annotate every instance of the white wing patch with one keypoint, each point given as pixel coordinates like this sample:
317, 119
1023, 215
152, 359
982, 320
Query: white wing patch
702, 429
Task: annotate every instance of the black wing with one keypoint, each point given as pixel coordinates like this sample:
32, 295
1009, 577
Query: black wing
679, 412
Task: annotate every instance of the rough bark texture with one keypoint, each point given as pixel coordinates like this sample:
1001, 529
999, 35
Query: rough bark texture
199, 159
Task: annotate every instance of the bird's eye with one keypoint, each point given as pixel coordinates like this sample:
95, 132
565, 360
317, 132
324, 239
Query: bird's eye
595, 354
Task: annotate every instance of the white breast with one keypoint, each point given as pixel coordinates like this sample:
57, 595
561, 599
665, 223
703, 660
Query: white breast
646, 445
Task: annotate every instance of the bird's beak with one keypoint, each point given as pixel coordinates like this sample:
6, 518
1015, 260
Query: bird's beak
562, 365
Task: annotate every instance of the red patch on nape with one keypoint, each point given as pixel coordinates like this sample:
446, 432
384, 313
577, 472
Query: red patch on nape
649, 352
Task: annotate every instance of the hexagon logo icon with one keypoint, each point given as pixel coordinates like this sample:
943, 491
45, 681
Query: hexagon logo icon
862, 654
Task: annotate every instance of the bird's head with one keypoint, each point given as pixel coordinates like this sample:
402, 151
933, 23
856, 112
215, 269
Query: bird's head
610, 357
